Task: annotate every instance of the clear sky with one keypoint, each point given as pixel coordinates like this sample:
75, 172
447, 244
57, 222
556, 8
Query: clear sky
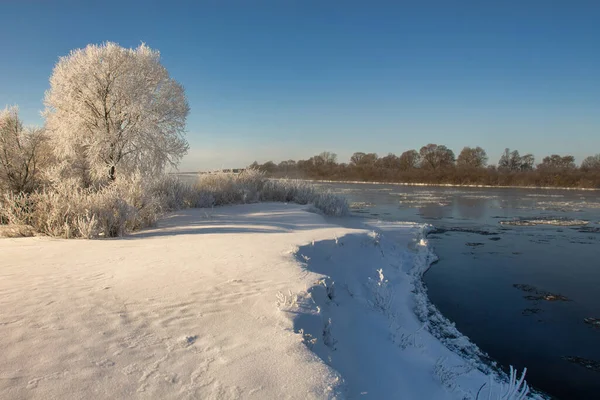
274, 80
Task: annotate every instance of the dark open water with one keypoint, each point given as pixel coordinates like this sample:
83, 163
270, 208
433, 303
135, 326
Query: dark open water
523, 293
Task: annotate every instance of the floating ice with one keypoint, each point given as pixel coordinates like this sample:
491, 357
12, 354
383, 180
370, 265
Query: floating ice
545, 221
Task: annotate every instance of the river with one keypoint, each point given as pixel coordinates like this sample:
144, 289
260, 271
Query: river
518, 272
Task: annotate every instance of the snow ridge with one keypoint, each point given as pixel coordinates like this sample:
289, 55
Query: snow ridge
366, 315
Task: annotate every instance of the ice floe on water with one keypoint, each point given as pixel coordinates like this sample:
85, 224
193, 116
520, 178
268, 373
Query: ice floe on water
584, 362
479, 196
422, 203
544, 195
545, 221
538, 294
595, 322
435, 231
422, 199
360, 204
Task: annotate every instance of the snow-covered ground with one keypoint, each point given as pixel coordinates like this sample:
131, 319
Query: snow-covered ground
265, 301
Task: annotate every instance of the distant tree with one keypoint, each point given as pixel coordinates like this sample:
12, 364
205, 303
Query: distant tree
511, 161
289, 164
504, 162
472, 157
118, 109
515, 162
303, 165
527, 162
591, 163
436, 157
409, 160
320, 165
363, 159
269, 167
325, 158
557, 163
368, 159
391, 161
356, 158
24, 153
287, 167
364, 166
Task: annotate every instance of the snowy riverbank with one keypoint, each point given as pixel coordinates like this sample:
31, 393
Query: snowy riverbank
254, 301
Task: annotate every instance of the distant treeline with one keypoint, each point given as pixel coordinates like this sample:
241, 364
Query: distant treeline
437, 164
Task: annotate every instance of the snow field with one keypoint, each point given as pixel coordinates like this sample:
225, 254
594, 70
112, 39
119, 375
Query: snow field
251, 301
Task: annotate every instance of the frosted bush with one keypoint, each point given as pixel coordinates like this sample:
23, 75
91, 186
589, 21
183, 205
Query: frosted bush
67, 208
226, 188
14, 208
331, 204
15, 231
514, 389
87, 226
172, 193
287, 190
383, 295
251, 186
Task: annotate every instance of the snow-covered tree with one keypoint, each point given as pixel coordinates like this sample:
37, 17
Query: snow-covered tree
23, 153
117, 109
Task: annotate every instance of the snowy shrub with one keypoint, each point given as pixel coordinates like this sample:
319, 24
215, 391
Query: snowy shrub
405, 339
514, 389
329, 288
87, 226
287, 190
15, 231
287, 301
251, 186
226, 188
173, 194
448, 375
375, 236
24, 153
331, 204
65, 209
307, 339
14, 208
68, 208
383, 295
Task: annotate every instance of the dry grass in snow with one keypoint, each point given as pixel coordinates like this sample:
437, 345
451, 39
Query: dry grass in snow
65, 209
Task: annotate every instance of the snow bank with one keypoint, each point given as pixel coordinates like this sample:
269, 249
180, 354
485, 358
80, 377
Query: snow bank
251, 301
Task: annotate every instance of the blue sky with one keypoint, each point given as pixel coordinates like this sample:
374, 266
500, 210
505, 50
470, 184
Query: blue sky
274, 80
